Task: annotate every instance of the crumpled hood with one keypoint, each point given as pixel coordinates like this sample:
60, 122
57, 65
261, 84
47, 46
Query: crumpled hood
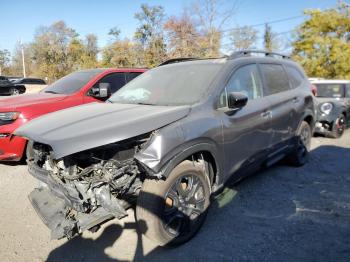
88, 126
25, 100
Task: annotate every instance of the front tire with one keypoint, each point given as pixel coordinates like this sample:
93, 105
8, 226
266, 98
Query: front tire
171, 211
300, 154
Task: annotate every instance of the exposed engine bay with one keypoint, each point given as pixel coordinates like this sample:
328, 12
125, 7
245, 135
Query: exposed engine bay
82, 190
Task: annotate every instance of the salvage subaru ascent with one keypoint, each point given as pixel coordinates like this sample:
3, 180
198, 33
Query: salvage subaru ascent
166, 141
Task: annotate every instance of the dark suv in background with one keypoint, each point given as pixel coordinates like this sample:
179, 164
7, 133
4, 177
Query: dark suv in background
167, 141
9, 88
29, 81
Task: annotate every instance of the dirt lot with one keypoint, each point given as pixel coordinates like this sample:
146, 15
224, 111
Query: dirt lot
281, 214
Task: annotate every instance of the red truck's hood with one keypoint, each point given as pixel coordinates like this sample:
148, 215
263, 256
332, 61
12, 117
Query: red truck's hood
29, 100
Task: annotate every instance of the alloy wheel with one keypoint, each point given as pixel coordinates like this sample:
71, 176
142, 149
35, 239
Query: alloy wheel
184, 203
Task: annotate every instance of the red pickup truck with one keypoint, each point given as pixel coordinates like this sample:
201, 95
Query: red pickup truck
81, 87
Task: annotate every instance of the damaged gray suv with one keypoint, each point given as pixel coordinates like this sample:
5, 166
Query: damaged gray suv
167, 141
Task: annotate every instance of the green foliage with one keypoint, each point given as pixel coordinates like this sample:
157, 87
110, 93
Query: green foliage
56, 51
268, 38
4, 60
121, 53
322, 44
114, 32
149, 35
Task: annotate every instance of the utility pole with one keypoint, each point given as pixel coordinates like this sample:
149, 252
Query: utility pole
23, 64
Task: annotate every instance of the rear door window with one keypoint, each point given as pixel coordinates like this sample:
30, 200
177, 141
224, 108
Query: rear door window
276, 79
296, 78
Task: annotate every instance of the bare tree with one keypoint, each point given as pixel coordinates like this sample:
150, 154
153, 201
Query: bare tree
243, 38
4, 59
212, 16
182, 36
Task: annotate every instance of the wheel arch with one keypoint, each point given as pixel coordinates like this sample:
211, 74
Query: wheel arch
195, 151
308, 117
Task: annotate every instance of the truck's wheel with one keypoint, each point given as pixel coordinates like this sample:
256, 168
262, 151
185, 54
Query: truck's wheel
171, 211
14, 92
338, 127
300, 154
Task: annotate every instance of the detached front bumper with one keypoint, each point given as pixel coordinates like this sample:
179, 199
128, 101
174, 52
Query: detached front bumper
53, 212
63, 212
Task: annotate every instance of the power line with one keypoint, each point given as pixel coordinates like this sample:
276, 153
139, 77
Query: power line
261, 37
262, 24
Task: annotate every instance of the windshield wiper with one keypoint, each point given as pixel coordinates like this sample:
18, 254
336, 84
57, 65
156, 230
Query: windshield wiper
146, 104
51, 92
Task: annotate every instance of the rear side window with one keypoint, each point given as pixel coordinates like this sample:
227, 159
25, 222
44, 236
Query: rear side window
116, 81
130, 76
275, 78
296, 78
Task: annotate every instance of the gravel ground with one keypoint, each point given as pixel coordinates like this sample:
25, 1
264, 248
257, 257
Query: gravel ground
280, 214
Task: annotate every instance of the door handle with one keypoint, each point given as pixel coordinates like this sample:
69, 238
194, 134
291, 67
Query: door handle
266, 114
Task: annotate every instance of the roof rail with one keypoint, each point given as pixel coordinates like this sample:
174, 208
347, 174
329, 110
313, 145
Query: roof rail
250, 52
178, 60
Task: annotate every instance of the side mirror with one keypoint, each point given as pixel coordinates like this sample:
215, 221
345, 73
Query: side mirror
103, 90
236, 100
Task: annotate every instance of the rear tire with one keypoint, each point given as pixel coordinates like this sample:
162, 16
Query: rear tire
171, 211
338, 127
300, 154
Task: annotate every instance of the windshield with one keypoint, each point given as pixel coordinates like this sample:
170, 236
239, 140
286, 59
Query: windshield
330, 90
178, 84
71, 83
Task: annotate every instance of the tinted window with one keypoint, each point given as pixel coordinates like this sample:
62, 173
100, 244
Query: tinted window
71, 83
330, 90
245, 80
275, 77
130, 76
116, 81
175, 84
296, 78
35, 81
